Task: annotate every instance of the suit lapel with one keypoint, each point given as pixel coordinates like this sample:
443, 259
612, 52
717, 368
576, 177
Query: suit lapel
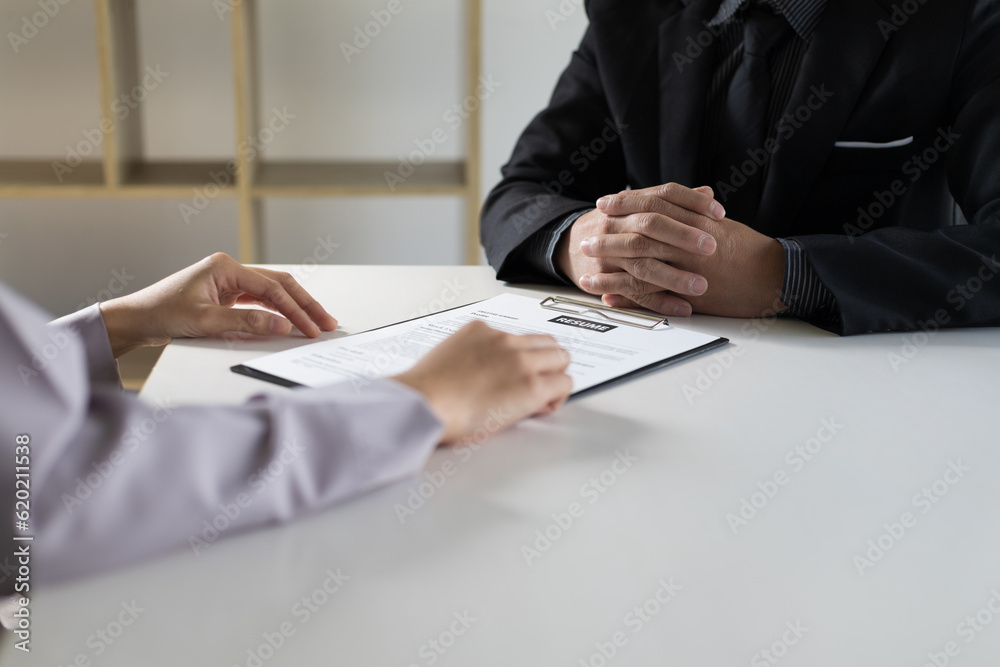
841, 56
685, 74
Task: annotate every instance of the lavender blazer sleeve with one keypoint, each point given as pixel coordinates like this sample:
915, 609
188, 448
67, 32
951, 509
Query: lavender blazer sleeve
114, 479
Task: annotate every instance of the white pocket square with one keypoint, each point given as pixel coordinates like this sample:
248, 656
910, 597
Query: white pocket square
870, 144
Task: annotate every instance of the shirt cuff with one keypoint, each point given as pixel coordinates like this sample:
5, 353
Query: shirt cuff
803, 292
549, 239
87, 326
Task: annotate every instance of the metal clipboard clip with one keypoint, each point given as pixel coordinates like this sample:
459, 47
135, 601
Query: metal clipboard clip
574, 307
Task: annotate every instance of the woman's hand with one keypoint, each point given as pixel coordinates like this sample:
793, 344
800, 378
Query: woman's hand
198, 301
481, 378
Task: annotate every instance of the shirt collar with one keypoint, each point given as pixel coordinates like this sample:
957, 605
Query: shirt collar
802, 15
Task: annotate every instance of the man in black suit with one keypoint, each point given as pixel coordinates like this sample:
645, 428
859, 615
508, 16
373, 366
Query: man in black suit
848, 153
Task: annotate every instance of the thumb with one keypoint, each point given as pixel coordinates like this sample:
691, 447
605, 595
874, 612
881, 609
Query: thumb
247, 321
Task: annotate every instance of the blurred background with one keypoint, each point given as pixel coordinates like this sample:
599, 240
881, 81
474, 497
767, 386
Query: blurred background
64, 252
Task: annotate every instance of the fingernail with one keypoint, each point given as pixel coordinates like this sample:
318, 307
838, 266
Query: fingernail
683, 311
586, 282
277, 325
698, 286
603, 202
718, 211
585, 245
706, 245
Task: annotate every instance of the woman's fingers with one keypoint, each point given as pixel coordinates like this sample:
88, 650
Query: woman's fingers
218, 320
273, 291
317, 313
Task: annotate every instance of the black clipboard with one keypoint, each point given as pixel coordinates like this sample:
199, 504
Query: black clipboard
560, 304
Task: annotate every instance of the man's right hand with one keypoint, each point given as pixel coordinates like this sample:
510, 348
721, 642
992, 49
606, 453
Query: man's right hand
637, 234
480, 374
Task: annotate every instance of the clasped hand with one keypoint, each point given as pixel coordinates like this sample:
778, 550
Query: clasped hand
672, 249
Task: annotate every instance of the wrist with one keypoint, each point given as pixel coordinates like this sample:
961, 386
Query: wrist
562, 259
122, 323
773, 277
557, 253
419, 383
567, 253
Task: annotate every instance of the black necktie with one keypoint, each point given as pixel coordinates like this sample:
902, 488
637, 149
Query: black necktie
743, 130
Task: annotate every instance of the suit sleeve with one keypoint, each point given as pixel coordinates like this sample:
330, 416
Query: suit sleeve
896, 279
115, 479
555, 170
88, 326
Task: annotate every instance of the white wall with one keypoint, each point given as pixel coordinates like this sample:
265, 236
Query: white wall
62, 253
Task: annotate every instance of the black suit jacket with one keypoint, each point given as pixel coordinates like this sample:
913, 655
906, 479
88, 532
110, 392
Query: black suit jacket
921, 256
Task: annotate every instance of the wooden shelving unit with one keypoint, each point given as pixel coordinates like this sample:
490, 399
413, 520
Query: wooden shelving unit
125, 173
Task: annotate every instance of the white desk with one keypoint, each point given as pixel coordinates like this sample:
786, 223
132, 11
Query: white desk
663, 518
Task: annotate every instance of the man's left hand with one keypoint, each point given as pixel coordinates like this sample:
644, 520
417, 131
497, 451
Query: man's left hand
745, 275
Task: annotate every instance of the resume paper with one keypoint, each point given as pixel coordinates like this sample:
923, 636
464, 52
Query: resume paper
602, 351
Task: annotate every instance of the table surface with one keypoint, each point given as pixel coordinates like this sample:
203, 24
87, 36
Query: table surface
794, 497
